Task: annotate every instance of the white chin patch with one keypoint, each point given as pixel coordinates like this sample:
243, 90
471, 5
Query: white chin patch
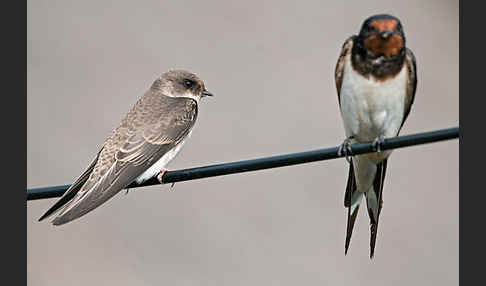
378, 60
191, 95
188, 95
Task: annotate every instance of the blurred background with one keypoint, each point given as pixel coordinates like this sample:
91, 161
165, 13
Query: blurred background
271, 66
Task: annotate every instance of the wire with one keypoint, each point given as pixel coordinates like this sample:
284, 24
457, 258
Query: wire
268, 162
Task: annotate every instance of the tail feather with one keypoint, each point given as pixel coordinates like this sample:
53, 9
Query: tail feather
350, 186
352, 214
352, 199
374, 203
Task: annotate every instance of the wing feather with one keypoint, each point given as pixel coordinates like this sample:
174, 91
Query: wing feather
122, 161
338, 72
411, 83
167, 132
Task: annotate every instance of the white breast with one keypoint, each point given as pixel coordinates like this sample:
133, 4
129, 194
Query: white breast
162, 162
370, 108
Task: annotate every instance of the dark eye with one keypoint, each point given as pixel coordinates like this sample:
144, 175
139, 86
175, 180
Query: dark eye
188, 83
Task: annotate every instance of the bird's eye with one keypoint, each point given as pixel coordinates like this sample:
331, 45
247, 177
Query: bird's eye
188, 83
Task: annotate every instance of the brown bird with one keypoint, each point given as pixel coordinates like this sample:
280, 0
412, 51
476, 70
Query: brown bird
150, 135
376, 82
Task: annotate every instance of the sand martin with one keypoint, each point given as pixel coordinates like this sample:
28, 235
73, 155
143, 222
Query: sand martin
376, 81
150, 135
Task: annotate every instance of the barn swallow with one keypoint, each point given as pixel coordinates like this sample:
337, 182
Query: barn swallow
376, 81
147, 139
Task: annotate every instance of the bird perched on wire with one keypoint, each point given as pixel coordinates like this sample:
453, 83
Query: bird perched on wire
376, 82
150, 135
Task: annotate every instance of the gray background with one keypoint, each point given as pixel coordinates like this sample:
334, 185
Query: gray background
271, 68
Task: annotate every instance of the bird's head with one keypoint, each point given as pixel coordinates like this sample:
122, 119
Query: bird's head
382, 35
181, 83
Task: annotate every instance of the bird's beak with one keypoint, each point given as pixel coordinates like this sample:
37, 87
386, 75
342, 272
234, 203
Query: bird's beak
385, 34
207, 93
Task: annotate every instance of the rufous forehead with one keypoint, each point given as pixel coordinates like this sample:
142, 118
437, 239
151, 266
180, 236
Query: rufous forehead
384, 25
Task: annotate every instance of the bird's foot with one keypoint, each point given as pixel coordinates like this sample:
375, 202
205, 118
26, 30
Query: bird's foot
126, 193
378, 142
345, 149
161, 174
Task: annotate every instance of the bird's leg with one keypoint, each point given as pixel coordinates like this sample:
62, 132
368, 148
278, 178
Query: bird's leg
377, 143
345, 149
128, 189
161, 174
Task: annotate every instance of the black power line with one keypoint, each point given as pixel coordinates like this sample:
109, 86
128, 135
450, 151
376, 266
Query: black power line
268, 162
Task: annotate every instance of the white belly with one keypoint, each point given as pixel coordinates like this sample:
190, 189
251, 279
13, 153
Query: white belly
162, 162
370, 108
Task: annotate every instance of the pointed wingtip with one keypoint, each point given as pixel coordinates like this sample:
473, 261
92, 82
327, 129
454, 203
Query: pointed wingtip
374, 231
48, 213
44, 216
350, 225
64, 218
58, 205
346, 244
51, 211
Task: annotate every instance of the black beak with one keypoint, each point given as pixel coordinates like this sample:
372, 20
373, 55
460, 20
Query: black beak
207, 93
385, 34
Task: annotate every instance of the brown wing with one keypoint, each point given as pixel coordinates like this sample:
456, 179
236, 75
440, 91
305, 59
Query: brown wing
338, 72
151, 129
411, 83
168, 131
